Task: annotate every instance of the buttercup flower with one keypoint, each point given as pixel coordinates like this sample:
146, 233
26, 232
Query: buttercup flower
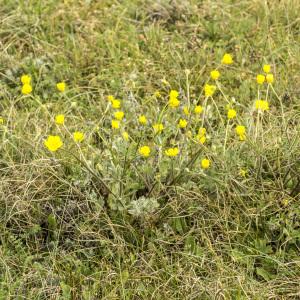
53, 143
262, 105
158, 127
26, 89
260, 79
198, 109
270, 78
173, 100
201, 139
240, 129
241, 132
144, 151
174, 94
209, 90
215, 74
1, 121
202, 131
243, 173
110, 98
26, 79
59, 119
227, 59
143, 120
115, 124
182, 123
172, 152
205, 163
119, 115
78, 136
231, 114
125, 136
61, 86
116, 103
186, 110
267, 68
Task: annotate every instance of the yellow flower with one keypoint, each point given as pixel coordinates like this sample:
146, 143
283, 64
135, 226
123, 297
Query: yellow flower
26, 89
172, 152
157, 94
215, 74
205, 163
201, 139
125, 136
26, 79
260, 79
143, 120
241, 132
61, 86
1, 121
59, 119
198, 109
240, 129
116, 103
209, 90
231, 114
267, 68
144, 151
119, 115
243, 173
110, 98
186, 110
78, 136
270, 78
53, 143
285, 202
262, 105
182, 123
115, 124
158, 127
174, 94
202, 131
227, 59
174, 102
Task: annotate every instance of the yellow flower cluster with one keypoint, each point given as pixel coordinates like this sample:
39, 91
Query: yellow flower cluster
53, 143
227, 59
269, 78
158, 127
201, 136
173, 99
145, 151
182, 123
262, 105
26, 81
78, 136
241, 132
60, 119
27, 87
215, 74
231, 114
142, 120
172, 152
205, 163
61, 86
209, 90
198, 109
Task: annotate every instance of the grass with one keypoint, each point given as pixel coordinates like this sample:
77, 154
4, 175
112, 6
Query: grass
95, 220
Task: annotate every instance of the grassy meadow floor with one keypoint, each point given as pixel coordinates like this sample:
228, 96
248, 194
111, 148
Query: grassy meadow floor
95, 219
